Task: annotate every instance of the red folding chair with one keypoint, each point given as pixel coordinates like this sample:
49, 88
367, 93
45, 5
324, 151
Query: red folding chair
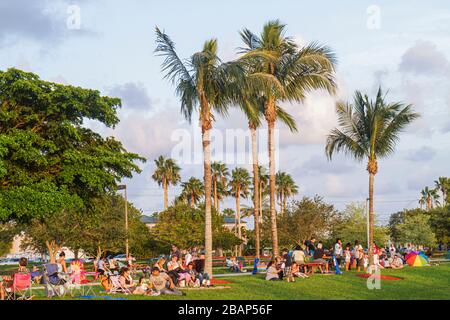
21, 287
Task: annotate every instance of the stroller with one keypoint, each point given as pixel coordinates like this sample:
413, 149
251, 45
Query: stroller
55, 284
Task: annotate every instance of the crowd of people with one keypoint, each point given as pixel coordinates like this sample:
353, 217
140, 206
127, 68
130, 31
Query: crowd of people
183, 268
304, 259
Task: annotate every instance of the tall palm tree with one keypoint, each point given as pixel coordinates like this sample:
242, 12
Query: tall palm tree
239, 188
443, 185
167, 173
263, 188
283, 72
251, 103
219, 172
286, 188
222, 193
193, 190
369, 130
429, 197
201, 84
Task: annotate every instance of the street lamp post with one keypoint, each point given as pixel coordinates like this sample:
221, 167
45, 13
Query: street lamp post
124, 187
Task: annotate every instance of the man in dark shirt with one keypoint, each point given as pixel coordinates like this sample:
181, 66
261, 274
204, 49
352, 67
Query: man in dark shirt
199, 266
318, 257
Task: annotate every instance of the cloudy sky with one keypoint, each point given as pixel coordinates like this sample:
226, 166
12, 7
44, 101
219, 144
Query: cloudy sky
108, 45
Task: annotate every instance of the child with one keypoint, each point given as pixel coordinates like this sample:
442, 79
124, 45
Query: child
366, 262
287, 266
195, 282
296, 271
347, 256
142, 287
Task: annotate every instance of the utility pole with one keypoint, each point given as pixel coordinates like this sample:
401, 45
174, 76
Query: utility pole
124, 187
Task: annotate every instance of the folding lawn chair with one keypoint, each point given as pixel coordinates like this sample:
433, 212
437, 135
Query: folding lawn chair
55, 284
21, 287
116, 287
78, 280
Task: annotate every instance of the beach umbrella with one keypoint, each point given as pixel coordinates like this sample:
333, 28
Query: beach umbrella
416, 259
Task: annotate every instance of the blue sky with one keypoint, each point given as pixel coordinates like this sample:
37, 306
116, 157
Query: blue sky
409, 54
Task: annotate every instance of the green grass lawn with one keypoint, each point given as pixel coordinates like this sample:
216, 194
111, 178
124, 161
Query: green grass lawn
418, 283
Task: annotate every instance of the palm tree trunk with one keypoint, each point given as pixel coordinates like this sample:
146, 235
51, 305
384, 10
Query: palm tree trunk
281, 202
371, 217
273, 214
166, 196
238, 219
215, 193
255, 188
207, 178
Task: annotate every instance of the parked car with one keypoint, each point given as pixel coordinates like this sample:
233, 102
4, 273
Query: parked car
9, 262
123, 257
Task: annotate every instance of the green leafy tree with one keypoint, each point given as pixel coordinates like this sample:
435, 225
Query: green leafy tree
369, 129
282, 71
184, 226
440, 223
304, 219
416, 229
49, 161
353, 226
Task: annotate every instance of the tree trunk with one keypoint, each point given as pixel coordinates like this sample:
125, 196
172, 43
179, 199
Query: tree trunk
207, 181
215, 193
273, 214
52, 249
371, 217
238, 215
282, 202
255, 189
166, 196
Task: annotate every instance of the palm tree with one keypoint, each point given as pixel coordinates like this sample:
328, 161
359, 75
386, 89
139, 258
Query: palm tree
167, 173
286, 188
443, 184
429, 198
239, 187
219, 172
369, 130
263, 188
282, 71
201, 84
193, 190
222, 193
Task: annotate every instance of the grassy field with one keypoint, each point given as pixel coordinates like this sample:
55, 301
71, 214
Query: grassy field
418, 283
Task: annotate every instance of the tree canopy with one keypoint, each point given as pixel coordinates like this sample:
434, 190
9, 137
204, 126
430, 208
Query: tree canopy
49, 161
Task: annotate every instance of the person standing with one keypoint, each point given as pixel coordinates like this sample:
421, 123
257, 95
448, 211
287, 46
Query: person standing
338, 251
358, 253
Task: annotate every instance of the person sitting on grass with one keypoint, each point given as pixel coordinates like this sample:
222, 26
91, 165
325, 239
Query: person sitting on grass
125, 279
397, 262
319, 257
142, 287
273, 273
233, 264
296, 272
177, 272
199, 266
161, 283
194, 281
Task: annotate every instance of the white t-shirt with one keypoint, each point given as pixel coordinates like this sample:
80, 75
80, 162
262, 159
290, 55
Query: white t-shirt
298, 256
356, 250
187, 258
338, 249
